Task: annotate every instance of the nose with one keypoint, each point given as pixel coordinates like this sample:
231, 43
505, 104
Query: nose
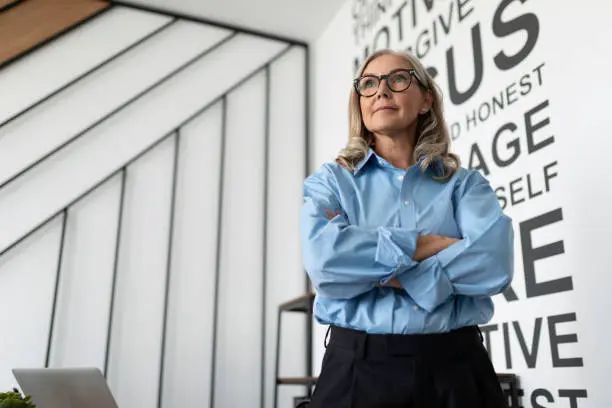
383, 90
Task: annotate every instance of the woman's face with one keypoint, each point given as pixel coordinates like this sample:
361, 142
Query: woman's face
388, 112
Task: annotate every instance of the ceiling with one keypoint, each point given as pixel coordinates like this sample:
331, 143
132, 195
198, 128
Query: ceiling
302, 20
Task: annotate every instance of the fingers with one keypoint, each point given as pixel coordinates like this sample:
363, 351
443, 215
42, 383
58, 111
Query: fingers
394, 283
331, 214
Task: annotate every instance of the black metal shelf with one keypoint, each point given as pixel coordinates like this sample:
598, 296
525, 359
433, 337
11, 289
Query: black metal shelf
301, 304
307, 381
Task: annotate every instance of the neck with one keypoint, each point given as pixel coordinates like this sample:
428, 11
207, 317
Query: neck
397, 149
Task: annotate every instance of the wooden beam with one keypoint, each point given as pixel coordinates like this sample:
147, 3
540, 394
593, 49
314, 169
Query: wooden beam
29, 24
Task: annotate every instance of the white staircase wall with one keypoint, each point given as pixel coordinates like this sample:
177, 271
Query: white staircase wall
150, 182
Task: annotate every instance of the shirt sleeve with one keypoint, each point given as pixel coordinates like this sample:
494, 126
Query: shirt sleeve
343, 260
480, 264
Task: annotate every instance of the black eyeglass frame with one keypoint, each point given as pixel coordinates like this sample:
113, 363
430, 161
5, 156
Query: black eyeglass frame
411, 73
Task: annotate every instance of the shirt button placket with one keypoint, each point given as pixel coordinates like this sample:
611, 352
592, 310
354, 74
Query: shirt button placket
408, 215
406, 211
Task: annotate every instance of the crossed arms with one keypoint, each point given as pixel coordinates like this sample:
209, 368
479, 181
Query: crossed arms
344, 261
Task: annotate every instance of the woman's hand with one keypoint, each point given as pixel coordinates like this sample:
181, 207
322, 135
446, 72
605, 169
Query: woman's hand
394, 283
331, 214
429, 245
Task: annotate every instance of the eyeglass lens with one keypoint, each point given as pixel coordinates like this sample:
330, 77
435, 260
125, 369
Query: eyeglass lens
396, 81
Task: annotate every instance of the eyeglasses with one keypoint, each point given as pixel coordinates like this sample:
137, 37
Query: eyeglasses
397, 81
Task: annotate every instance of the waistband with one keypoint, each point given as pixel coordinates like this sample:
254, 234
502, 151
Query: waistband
423, 345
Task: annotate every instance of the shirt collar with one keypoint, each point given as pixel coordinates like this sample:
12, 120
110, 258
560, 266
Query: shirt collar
436, 166
364, 161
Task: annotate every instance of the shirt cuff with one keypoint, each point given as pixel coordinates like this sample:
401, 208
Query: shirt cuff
448, 254
395, 247
427, 284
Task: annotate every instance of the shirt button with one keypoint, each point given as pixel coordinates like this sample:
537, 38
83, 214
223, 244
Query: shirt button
406, 202
400, 177
416, 308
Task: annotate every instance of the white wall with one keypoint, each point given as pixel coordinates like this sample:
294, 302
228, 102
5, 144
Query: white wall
150, 180
567, 363
330, 72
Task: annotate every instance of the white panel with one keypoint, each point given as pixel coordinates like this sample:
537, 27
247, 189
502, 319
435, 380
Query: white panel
188, 355
135, 348
301, 20
26, 295
73, 110
285, 275
57, 63
239, 330
81, 320
65, 175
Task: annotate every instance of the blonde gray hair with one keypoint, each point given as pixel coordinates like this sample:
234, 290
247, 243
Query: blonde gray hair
432, 141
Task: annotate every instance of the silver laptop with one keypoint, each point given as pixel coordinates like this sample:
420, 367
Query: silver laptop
65, 387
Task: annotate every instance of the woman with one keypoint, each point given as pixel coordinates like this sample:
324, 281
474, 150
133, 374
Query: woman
405, 249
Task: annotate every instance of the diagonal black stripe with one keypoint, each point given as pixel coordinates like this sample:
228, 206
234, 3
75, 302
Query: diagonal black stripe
236, 85
10, 5
162, 363
111, 307
203, 20
88, 72
114, 111
58, 274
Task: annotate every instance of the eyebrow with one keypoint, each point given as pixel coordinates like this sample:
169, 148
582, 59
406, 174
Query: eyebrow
393, 70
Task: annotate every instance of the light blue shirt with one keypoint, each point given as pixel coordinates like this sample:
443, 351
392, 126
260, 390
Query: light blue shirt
381, 211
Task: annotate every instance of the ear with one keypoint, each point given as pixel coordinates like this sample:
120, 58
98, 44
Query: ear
427, 102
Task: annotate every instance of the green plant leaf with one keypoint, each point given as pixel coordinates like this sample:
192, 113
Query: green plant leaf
13, 399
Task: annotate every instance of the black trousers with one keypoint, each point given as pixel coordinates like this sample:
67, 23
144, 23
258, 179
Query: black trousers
448, 370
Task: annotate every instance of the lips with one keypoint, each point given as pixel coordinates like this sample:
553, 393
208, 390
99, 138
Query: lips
380, 108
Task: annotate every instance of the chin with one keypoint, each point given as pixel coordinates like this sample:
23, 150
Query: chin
389, 127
